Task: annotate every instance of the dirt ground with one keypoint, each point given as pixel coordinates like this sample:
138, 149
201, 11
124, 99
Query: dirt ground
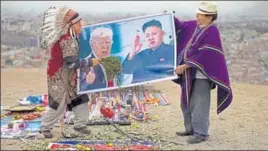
243, 126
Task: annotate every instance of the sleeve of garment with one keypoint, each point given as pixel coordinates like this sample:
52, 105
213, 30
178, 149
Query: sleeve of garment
178, 25
129, 66
83, 84
71, 60
83, 74
99, 81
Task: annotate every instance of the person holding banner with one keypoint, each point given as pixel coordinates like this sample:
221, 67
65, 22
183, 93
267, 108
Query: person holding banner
101, 40
201, 66
61, 27
140, 62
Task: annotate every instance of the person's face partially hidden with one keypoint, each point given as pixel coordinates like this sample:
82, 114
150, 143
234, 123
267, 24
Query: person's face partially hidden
102, 47
154, 36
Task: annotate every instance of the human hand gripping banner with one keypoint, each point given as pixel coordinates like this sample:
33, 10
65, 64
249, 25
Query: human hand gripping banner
141, 49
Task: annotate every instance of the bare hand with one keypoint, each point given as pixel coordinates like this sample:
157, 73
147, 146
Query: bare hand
91, 76
180, 69
137, 47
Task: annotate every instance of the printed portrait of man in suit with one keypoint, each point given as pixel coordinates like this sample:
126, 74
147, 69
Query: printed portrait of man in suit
158, 58
101, 40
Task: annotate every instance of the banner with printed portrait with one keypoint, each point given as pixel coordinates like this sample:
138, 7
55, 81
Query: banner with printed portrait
145, 47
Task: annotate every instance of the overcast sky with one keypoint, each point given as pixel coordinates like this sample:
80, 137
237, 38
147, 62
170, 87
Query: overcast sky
127, 6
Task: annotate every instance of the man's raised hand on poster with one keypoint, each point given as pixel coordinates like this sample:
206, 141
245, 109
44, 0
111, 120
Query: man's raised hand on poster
137, 47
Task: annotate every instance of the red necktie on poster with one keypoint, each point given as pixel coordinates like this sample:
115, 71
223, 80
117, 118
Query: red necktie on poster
110, 83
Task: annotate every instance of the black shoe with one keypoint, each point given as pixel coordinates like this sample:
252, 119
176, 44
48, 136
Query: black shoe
185, 133
197, 139
47, 133
83, 130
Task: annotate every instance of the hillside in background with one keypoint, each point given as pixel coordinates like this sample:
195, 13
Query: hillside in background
244, 37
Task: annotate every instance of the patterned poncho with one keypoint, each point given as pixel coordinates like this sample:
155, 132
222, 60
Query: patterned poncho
205, 54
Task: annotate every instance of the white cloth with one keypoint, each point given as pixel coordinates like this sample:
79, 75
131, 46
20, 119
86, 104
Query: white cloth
200, 75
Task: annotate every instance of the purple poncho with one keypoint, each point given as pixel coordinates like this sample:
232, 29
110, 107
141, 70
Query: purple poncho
206, 55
